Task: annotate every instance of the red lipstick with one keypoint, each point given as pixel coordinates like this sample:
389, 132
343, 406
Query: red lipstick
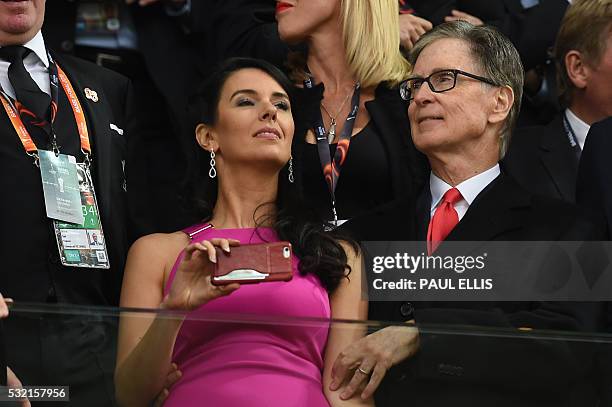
280, 7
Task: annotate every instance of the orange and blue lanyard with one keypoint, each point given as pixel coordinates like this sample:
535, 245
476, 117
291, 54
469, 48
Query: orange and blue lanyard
57, 75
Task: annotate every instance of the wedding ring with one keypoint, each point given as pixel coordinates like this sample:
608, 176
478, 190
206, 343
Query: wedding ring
363, 371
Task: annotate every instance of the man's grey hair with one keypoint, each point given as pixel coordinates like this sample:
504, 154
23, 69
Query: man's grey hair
495, 56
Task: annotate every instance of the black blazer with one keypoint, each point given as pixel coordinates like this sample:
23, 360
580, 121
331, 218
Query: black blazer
483, 370
594, 183
594, 191
242, 28
541, 159
22, 280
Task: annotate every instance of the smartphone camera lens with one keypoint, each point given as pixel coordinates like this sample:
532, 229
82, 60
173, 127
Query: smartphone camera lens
286, 252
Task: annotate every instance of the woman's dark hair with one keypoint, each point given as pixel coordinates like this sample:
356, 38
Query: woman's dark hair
318, 250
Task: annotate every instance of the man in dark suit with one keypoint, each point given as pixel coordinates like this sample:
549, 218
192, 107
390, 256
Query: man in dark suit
594, 191
545, 159
464, 97
59, 349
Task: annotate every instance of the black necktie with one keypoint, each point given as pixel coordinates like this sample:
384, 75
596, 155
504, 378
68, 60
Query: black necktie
27, 91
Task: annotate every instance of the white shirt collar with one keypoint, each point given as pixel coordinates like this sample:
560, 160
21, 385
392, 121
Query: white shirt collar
37, 45
470, 188
580, 128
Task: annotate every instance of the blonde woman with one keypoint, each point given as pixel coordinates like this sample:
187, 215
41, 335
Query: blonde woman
352, 150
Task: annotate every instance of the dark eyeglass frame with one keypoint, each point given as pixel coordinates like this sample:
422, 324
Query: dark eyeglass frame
407, 94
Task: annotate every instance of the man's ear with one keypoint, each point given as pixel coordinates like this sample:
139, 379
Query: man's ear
206, 137
576, 69
504, 100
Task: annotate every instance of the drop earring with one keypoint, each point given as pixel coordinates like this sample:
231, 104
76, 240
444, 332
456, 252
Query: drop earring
291, 179
212, 173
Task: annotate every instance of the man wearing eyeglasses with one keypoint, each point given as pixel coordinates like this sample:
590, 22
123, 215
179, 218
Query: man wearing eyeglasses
464, 97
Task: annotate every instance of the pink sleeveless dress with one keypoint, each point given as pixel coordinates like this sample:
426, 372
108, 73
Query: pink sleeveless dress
254, 364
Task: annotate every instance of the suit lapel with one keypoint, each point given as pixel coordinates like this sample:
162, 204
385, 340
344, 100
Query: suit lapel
559, 159
496, 211
423, 213
97, 117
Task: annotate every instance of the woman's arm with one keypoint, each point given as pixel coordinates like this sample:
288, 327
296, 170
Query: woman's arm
346, 303
146, 342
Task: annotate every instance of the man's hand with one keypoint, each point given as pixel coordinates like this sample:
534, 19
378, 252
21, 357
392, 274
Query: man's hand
460, 15
173, 375
411, 29
368, 359
13, 382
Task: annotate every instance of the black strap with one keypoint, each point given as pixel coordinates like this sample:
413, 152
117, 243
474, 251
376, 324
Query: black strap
571, 137
331, 169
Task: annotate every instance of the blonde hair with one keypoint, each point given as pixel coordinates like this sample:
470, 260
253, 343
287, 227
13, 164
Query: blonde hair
372, 42
583, 28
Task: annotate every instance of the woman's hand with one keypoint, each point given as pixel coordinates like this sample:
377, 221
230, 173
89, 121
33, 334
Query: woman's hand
192, 285
174, 374
411, 29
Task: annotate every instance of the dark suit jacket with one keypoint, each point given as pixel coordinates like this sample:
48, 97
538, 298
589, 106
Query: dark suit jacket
594, 183
110, 152
532, 31
243, 28
480, 370
24, 281
594, 191
541, 159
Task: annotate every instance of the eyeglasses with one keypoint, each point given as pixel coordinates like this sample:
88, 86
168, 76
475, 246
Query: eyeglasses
440, 81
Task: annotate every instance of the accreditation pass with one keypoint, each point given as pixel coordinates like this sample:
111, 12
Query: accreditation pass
83, 244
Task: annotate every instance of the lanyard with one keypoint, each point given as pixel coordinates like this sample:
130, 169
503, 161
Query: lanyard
331, 168
57, 75
571, 136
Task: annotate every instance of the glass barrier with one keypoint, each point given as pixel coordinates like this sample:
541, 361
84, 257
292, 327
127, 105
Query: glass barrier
66, 356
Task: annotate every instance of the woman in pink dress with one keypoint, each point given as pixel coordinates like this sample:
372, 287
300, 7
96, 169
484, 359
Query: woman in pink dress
246, 133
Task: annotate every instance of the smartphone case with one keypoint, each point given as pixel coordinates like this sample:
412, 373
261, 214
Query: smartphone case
254, 263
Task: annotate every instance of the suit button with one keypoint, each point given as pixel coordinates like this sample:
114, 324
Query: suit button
406, 309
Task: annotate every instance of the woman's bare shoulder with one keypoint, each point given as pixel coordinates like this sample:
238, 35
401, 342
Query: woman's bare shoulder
160, 243
158, 248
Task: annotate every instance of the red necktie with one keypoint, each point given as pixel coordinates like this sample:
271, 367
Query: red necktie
444, 220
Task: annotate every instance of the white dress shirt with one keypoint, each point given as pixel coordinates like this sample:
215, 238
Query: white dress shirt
580, 128
36, 63
470, 188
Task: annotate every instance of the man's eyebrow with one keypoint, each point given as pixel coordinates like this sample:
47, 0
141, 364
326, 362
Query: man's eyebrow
432, 71
255, 93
